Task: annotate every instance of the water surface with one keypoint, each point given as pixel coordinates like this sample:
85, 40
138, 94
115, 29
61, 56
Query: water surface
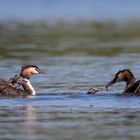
50, 115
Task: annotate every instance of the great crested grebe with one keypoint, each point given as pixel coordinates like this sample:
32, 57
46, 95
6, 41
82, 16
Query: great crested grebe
11, 87
132, 86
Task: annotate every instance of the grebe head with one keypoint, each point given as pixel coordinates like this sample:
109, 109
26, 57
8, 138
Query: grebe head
28, 70
123, 75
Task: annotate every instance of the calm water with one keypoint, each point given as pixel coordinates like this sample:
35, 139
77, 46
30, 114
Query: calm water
76, 116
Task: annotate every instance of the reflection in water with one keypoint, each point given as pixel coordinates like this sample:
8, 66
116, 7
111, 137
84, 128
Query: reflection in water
76, 123
30, 123
17, 122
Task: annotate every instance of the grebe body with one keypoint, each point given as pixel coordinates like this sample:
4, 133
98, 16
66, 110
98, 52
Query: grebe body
12, 87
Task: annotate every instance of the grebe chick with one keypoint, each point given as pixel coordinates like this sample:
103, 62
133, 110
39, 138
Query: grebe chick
28, 88
11, 87
92, 91
132, 86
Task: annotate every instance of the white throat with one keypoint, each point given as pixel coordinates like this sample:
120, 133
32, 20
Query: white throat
31, 88
28, 87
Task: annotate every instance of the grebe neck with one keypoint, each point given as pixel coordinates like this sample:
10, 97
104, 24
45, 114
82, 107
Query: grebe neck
28, 87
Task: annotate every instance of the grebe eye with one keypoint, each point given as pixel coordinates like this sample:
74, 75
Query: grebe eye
37, 69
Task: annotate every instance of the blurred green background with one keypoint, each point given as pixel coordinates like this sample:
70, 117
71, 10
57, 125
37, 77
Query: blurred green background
24, 40
57, 28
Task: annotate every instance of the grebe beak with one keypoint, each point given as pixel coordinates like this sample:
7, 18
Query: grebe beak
110, 83
42, 72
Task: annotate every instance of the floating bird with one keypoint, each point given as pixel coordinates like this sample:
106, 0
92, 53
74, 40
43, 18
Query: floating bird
11, 87
92, 91
132, 86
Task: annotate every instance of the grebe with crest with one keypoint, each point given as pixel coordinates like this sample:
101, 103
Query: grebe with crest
11, 87
132, 86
